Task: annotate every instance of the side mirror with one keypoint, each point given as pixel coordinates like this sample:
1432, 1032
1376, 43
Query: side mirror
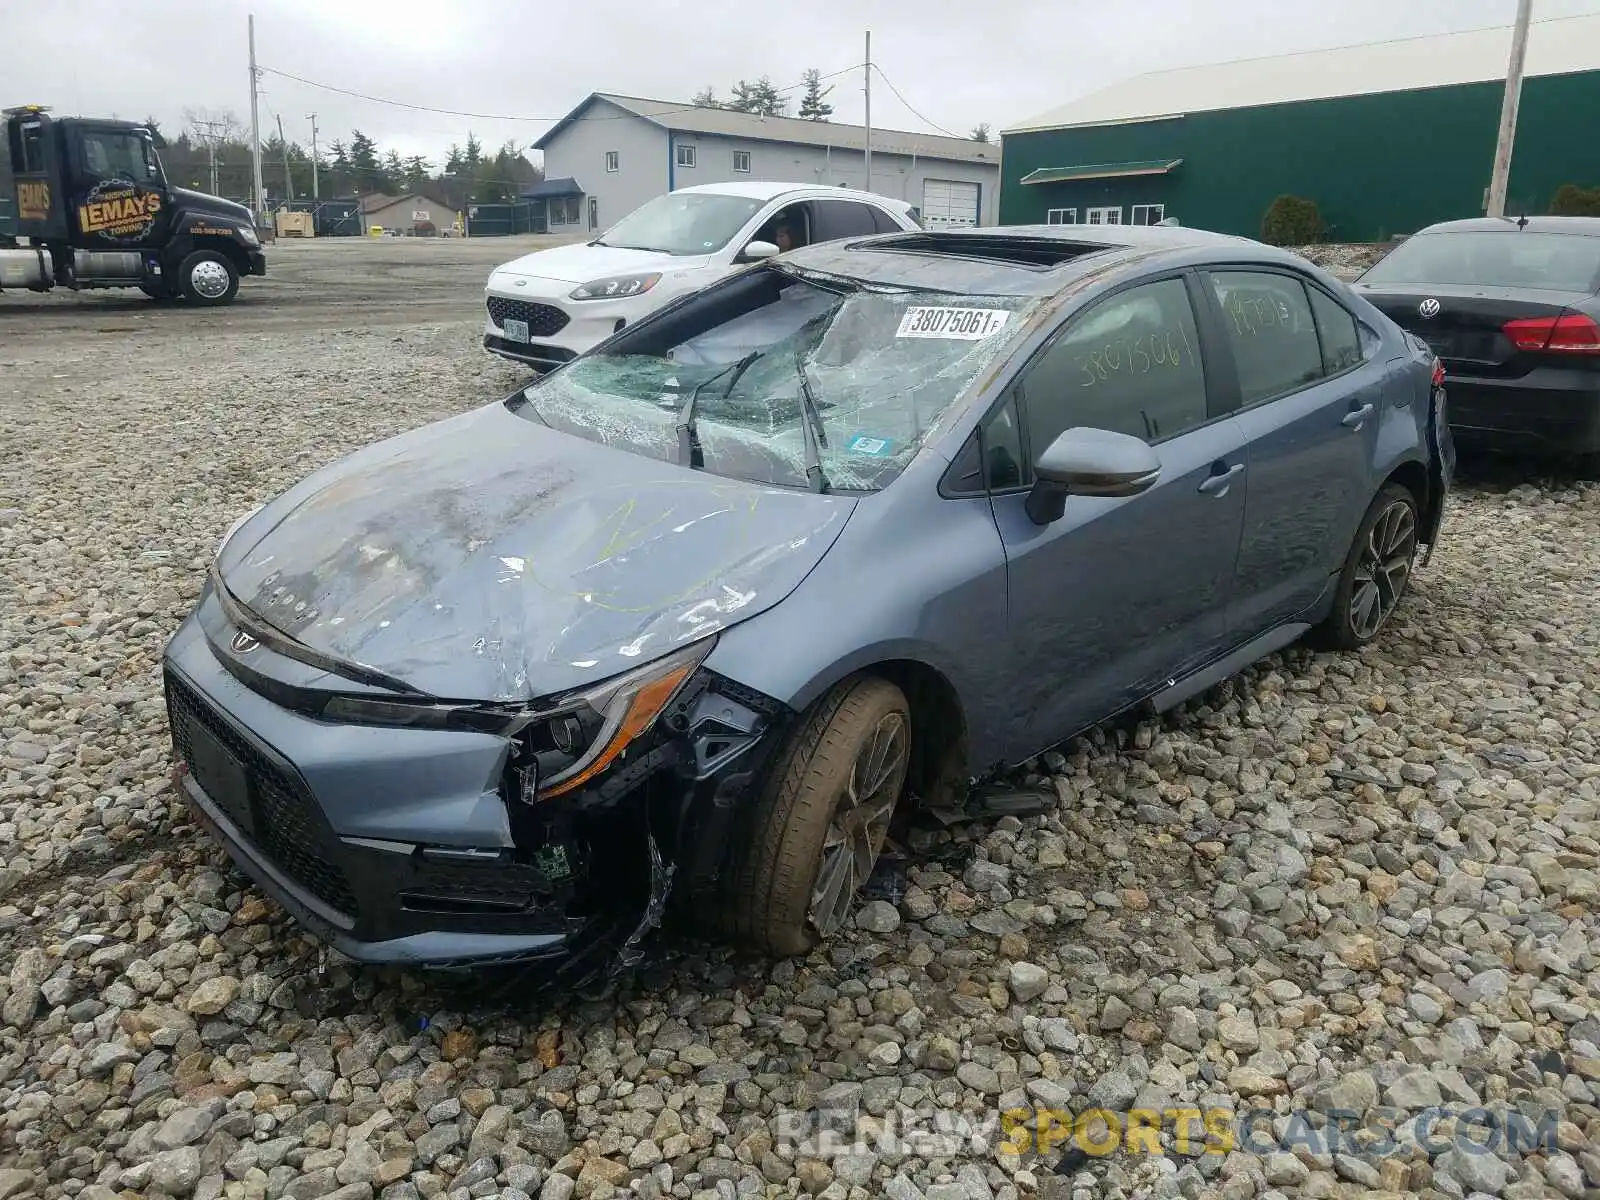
756, 251
1089, 462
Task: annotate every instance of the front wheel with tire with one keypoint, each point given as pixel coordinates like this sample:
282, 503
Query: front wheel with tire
1375, 574
207, 277
821, 818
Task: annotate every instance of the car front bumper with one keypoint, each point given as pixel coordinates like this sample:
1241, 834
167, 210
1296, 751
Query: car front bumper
397, 845
1550, 411
559, 329
258, 263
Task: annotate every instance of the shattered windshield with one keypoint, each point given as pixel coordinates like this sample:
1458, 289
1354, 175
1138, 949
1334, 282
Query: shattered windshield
820, 383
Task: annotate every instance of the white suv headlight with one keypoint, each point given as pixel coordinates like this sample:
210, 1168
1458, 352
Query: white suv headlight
615, 287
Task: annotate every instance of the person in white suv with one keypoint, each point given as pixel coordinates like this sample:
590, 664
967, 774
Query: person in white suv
546, 308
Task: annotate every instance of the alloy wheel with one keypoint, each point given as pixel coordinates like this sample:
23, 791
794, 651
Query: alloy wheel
859, 824
1384, 568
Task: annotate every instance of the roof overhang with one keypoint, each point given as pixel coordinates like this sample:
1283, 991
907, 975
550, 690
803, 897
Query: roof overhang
549, 189
1124, 170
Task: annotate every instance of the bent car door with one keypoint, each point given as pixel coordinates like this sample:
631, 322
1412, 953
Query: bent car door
1119, 595
1311, 404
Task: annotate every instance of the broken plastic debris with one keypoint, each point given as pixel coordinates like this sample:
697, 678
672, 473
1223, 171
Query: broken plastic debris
1002, 800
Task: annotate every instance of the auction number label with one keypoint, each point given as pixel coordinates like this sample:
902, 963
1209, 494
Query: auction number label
962, 324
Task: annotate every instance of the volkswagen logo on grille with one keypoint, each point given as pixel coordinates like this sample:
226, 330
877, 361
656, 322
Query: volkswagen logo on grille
243, 643
1429, 308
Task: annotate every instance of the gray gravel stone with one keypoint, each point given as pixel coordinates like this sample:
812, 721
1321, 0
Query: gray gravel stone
1337, 882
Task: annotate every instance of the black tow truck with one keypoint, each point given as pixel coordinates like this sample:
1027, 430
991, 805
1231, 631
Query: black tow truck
94, 210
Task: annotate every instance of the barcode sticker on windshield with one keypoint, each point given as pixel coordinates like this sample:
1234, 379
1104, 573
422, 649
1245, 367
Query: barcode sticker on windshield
965, 324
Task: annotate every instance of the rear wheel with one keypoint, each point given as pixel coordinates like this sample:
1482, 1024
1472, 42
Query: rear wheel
821, 819
207, 277
1376, 572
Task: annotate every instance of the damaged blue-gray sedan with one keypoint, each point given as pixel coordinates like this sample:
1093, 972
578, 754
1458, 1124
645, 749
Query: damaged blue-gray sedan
688, 620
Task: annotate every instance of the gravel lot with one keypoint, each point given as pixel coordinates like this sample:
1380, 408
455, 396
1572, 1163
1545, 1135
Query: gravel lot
1363, 883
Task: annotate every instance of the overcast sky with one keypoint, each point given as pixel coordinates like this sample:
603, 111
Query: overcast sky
957, 62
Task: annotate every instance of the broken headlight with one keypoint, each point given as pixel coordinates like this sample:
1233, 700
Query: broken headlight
559, 747
579, 739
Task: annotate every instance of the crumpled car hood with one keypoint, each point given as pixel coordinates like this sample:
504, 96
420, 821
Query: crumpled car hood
488, 557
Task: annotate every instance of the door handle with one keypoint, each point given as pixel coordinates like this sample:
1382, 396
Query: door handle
1356, 418
1217, 484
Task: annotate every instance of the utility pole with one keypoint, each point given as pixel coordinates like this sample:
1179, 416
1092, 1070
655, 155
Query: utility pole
210, 129
315, 194
288, 180
1501, 177
869, 110
255, 126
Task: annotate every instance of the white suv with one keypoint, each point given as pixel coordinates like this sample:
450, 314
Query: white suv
548, 307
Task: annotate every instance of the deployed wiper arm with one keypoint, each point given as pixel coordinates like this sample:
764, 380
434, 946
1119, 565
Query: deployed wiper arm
816, 434
689, 451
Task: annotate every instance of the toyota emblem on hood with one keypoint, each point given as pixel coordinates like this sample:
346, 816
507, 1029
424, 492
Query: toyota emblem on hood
243, 643
1429, 308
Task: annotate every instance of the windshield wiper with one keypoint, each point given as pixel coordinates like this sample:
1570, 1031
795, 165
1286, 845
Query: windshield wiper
689, 451
815, 433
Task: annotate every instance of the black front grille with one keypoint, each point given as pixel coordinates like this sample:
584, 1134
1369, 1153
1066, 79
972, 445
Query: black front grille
544, 320
290, 831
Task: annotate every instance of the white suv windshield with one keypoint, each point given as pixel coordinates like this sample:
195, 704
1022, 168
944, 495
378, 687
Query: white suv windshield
883, 368
683, 223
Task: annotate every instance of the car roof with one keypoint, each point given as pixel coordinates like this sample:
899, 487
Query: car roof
1023, 260
772, 189
1576, 226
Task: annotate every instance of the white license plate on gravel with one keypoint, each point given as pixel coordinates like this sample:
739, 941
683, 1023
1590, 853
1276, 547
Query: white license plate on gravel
516, 331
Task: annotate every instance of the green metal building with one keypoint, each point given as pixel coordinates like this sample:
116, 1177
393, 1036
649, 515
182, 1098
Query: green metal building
1385, 137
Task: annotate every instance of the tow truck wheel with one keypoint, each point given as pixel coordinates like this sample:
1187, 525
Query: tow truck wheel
821, 819
207, 277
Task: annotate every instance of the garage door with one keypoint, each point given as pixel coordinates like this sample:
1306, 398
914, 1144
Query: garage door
946, 204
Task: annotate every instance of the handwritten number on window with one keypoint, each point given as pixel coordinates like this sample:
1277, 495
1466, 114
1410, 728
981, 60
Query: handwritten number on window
1138, 356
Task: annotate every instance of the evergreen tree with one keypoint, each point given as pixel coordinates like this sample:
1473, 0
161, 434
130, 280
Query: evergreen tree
760, 98
813, 106
706, 98
980, 133
364, 165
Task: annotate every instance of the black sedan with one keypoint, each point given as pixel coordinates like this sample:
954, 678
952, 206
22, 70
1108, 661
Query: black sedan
1512, 307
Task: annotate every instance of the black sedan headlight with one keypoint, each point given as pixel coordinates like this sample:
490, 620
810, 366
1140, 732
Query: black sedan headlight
562, 746
615, 287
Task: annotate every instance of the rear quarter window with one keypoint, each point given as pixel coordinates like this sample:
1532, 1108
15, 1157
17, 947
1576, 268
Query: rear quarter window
1336, 328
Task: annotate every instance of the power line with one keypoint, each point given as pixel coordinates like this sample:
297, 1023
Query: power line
478, 116
909, 107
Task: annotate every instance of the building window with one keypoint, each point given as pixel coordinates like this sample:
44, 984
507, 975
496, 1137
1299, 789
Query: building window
741, 161
613, 160
1105, 216
686, 156
1149, 214
1061, 216
566, 210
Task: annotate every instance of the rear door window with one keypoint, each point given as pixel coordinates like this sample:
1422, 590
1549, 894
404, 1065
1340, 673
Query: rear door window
1267, 321
834, 219
883, 222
